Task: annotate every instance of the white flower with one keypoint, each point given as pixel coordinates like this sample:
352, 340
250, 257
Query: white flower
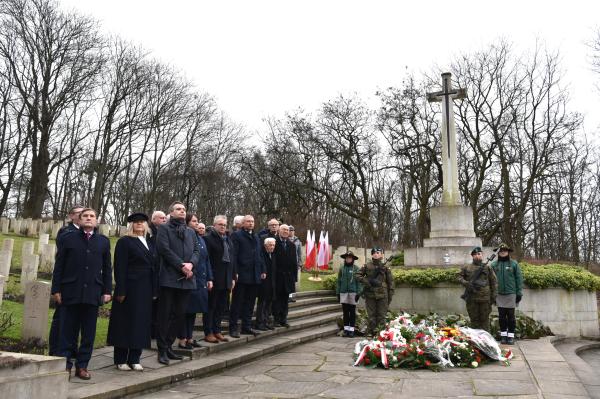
474, 364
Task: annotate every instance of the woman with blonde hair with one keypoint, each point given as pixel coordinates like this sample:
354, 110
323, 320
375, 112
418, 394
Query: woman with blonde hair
136, 285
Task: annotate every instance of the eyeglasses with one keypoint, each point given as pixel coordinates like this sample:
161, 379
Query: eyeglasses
221, 224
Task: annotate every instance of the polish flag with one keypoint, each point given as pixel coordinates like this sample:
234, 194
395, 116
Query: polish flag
310, 251
322, 255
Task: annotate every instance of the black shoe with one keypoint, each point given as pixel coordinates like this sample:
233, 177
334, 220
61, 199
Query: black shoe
162, 357
172, 355
187, 346
234, 334
291, 299
270, 327
510, 341
503, 340
195, 344
262, 327
350, 334
249, 331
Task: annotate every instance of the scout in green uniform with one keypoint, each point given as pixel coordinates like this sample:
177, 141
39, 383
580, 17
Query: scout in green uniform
348, 290
479, 280
378, 289
510, 292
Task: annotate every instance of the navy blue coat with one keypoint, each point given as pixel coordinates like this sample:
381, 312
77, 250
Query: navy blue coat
82, 269
173, 251
287, 266
247, 257
69, 227
198, 302
222, 272
136, 279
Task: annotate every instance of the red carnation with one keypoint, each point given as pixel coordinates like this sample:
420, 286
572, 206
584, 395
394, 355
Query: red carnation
427, 363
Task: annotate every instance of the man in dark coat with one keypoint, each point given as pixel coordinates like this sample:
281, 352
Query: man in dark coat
270, 231
81, 282
267, 287
178, 253
54, 335
219, 252
158, 218
285, 274
249, 270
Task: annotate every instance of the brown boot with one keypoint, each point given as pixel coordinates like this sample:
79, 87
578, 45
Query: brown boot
211, 338
221, 338
83, 374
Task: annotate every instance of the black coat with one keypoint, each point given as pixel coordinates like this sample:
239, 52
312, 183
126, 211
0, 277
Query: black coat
268, 285
198, 302
222, 271
136, 279
287, 266
82, 269
247, 259
70, 227
173, 252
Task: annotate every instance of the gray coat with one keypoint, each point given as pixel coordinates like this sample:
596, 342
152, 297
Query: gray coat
173, 252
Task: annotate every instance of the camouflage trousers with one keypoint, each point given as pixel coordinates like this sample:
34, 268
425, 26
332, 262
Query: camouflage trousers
376, 311
479, 313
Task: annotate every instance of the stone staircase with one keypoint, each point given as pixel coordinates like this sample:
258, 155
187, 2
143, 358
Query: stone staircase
311, 317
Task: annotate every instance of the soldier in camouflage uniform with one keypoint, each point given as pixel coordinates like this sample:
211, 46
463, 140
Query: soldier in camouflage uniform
479, 281
378, 289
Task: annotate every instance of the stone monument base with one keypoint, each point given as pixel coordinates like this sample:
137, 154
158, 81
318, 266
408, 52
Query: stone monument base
450, 242
27, 376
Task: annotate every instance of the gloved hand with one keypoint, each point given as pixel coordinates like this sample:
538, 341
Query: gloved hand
374, 282
356, 297
519, 297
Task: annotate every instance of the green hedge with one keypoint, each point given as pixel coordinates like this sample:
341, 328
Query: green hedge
535, 276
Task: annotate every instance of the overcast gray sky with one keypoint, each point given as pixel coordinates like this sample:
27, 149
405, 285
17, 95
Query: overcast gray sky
262, 58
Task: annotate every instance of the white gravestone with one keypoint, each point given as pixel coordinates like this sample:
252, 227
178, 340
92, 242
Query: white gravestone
5, 258
35, 313
47, 255
16, 228
2, 281
27, 248
4, 224
56, 226
32, 228
122, 231
29, 268
104, 229
42, 240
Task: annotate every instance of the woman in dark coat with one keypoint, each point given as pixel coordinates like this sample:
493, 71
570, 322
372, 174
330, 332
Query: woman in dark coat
135, 287
198, 301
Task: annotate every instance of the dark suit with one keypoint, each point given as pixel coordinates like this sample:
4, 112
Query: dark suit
176, 244
248, 265
54, 335
285, 274
222, 277
266, 291
82, 274
136, 280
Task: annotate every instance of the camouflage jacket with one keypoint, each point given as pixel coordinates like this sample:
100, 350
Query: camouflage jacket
484, 287
377, 280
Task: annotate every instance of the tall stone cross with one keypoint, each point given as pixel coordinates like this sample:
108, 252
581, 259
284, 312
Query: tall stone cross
451, 193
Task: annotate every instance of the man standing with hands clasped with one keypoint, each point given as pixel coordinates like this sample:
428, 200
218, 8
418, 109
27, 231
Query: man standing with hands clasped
479, 281
81, 282
178, 256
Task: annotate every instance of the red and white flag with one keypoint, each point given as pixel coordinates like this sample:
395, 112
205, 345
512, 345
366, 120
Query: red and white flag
322, 254
310, 251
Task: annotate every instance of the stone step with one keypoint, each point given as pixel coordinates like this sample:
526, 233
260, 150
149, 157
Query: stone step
304, 294
107, 383
325, 304
297, 324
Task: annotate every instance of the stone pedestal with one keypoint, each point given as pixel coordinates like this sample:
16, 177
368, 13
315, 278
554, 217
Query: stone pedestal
450, 242
35, 310
33, 376
29, 268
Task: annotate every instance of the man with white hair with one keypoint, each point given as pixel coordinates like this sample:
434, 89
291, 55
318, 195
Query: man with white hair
285, 274
267, 288
238, 221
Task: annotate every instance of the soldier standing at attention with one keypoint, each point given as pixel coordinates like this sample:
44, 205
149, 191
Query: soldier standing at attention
479, 281
378, 289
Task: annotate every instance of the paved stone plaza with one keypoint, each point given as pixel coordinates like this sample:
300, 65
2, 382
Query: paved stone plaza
324, 369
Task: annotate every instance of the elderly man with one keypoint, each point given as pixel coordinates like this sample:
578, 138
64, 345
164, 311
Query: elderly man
267, 287
271, 231
178, 254
218, 245
238, 223
158, 218
81, 282
249, 270
201, 229
285, 274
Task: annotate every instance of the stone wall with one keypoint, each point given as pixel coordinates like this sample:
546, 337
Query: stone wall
572, 313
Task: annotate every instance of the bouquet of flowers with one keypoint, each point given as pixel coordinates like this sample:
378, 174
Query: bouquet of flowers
413, 342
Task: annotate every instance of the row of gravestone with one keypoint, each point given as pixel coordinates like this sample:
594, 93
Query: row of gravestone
37, 293
37, 227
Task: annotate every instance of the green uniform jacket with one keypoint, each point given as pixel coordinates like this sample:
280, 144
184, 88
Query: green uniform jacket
377, 281
510, 278
346, 281
485, 285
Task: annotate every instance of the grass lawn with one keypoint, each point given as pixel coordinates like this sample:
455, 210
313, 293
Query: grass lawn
307, 285
17, 317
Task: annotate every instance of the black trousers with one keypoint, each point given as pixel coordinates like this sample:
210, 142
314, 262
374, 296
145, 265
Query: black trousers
171, 313
187, 329
280, 307
76, 319
217, 303
242, 305
263, 310
127, 355
54, 335
349, 314
506, 318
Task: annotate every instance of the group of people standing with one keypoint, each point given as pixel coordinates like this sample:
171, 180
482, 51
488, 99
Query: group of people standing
167, 269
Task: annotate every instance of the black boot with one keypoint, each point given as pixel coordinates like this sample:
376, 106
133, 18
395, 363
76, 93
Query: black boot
172, 355
503, 339
510, 341
162, 357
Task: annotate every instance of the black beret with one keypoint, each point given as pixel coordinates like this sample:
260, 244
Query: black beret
376, 249
476, 250
137, 216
